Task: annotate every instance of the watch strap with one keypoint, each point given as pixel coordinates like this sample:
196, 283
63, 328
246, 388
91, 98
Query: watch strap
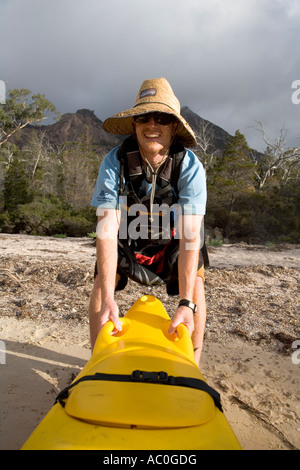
188, 303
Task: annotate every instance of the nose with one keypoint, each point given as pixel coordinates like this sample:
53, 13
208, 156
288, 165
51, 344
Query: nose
151, 121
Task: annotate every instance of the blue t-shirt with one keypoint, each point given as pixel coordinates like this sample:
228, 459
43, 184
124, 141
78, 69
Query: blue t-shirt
191, 184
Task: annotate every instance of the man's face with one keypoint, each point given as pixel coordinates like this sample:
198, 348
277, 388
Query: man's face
154, 136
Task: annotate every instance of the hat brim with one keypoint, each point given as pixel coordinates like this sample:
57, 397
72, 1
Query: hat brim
122, 123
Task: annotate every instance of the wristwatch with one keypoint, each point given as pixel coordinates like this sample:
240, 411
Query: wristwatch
188, 303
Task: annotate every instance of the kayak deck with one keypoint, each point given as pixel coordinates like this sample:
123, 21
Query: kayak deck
143, 412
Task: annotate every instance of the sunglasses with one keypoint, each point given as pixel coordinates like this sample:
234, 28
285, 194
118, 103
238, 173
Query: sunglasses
159, 118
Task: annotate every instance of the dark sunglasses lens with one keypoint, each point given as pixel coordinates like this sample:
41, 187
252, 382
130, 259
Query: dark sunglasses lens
164, 119
142, 119
160, 118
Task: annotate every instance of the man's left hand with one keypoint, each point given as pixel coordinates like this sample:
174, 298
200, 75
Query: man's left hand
185, 316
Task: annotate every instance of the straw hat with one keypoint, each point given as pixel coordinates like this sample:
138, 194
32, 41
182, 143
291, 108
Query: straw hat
154, 95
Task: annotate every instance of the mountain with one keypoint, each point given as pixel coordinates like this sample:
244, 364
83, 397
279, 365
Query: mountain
211, 135
72, 125
70, 128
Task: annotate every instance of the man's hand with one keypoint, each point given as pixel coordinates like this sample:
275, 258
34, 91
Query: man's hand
110, 312
185, 316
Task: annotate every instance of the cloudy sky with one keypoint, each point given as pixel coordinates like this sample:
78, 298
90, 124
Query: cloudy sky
232, 62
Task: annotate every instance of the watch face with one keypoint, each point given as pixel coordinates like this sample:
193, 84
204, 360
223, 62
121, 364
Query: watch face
188, 303
193, 307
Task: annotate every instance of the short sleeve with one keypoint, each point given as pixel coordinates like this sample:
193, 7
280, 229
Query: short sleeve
106, 192
192, 185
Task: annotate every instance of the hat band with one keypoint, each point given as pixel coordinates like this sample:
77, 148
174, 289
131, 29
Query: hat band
156, 102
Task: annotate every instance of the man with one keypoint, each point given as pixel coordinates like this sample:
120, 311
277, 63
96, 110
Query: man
151, 171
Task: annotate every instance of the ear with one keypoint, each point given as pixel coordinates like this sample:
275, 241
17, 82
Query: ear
174, 130
133, 130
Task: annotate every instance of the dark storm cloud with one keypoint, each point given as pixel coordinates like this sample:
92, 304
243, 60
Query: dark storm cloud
232, 62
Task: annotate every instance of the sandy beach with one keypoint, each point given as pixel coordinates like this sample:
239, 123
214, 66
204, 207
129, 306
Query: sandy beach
249, 355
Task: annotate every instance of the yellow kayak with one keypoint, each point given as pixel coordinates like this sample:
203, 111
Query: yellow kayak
141, 389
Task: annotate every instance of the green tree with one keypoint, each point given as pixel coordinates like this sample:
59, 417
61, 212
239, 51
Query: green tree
41, 165
23, 108
79, 169
278, 161
6, 157
16, 186
233, 182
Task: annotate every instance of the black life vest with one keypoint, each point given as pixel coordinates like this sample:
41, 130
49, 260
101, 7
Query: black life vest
155, 231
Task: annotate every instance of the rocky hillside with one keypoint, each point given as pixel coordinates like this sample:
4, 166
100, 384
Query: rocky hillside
71, 126
210, 137
213, 137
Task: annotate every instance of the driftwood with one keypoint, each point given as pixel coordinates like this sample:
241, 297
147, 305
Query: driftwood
7, 272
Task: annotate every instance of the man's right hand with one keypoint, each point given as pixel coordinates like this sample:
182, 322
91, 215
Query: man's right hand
110, 312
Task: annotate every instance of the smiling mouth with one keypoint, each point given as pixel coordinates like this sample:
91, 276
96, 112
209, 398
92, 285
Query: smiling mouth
152, 136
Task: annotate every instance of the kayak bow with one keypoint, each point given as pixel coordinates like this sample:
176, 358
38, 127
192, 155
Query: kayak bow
141, 389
